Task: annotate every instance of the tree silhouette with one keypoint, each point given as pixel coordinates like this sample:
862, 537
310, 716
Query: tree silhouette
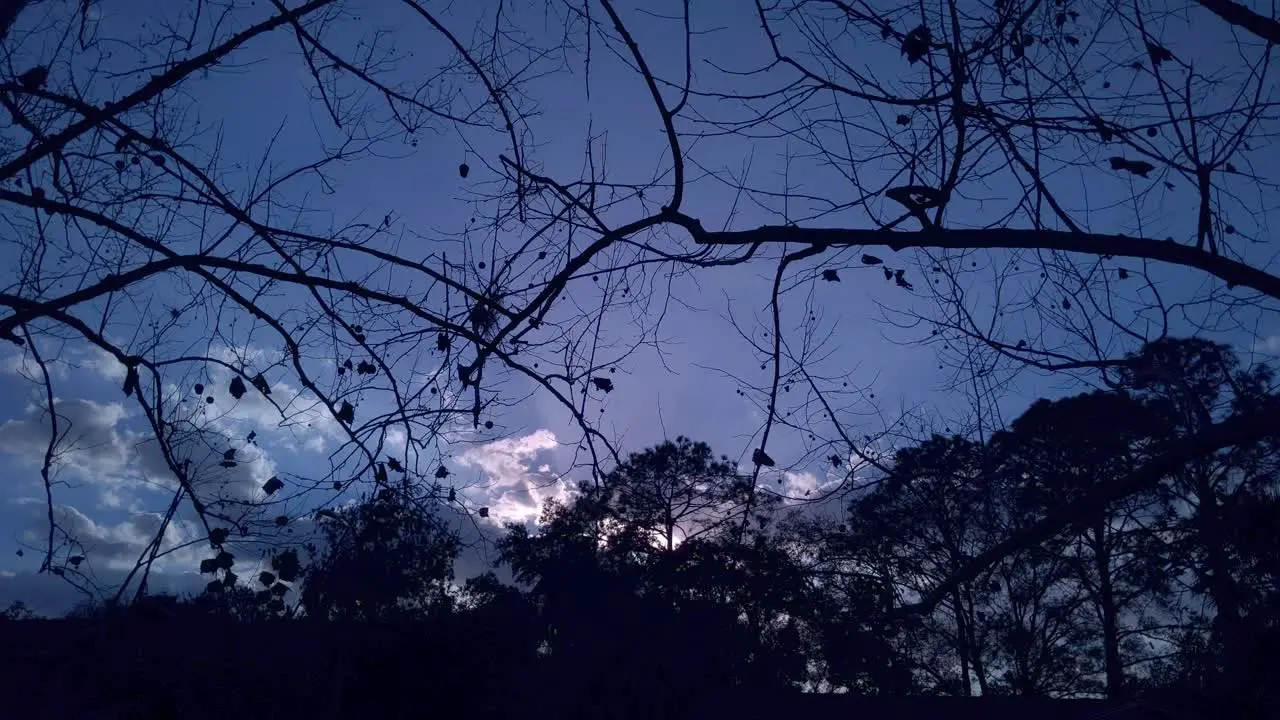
381, 559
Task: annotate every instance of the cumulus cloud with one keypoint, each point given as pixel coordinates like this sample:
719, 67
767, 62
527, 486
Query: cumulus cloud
116, 546
1269, 345
296, 420
98, 447
519, 485
803, 485
91, 442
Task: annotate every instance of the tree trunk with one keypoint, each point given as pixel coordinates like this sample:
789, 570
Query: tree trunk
975, 653
1108, 610
962, 642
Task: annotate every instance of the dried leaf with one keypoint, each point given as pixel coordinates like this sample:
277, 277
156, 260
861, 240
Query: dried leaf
760, 457
916, 44
1158, 53
260, 383
1137, 167
346, 413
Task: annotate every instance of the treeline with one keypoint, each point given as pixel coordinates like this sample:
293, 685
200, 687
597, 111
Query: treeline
674, 573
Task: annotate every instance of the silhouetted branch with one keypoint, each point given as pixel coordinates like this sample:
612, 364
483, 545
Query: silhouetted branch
1241, 429
1233, 272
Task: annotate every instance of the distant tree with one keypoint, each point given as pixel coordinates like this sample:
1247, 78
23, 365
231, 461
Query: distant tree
17, 610
644, 573
1059, 451
1218, 505
382, 559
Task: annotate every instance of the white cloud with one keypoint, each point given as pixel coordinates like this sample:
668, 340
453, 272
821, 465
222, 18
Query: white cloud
98, 448
519, 486
115, 546
1269, 345
103, 363
802, 484
305, 422
91, 444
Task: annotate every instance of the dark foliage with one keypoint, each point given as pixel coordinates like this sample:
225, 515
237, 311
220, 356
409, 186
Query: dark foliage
671, 584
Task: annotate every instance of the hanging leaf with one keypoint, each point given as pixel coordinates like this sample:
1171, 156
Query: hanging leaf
901, 281
266, 578
380, 474
916, 44
442, 472
34, 79
483, 512
1021, 344
1124, 274
442, 342
1137, 167
346, 413
75, 560
871, 260
888, 274
831, 276
464, 170
199, 389
260, 383
286, 565
272, 485
835, 461
282, 520
130, 380
229, 455
237, 388
1104, 131
279, 590
1158, 53
604, 384
759, 457
1066, 303
903, 120
207, 566
395, 465
224, 560
218, 536
453, 496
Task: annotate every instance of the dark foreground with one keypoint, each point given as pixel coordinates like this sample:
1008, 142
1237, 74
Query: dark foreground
162, 669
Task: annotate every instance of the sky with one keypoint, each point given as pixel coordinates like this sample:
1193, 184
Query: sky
113, 487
